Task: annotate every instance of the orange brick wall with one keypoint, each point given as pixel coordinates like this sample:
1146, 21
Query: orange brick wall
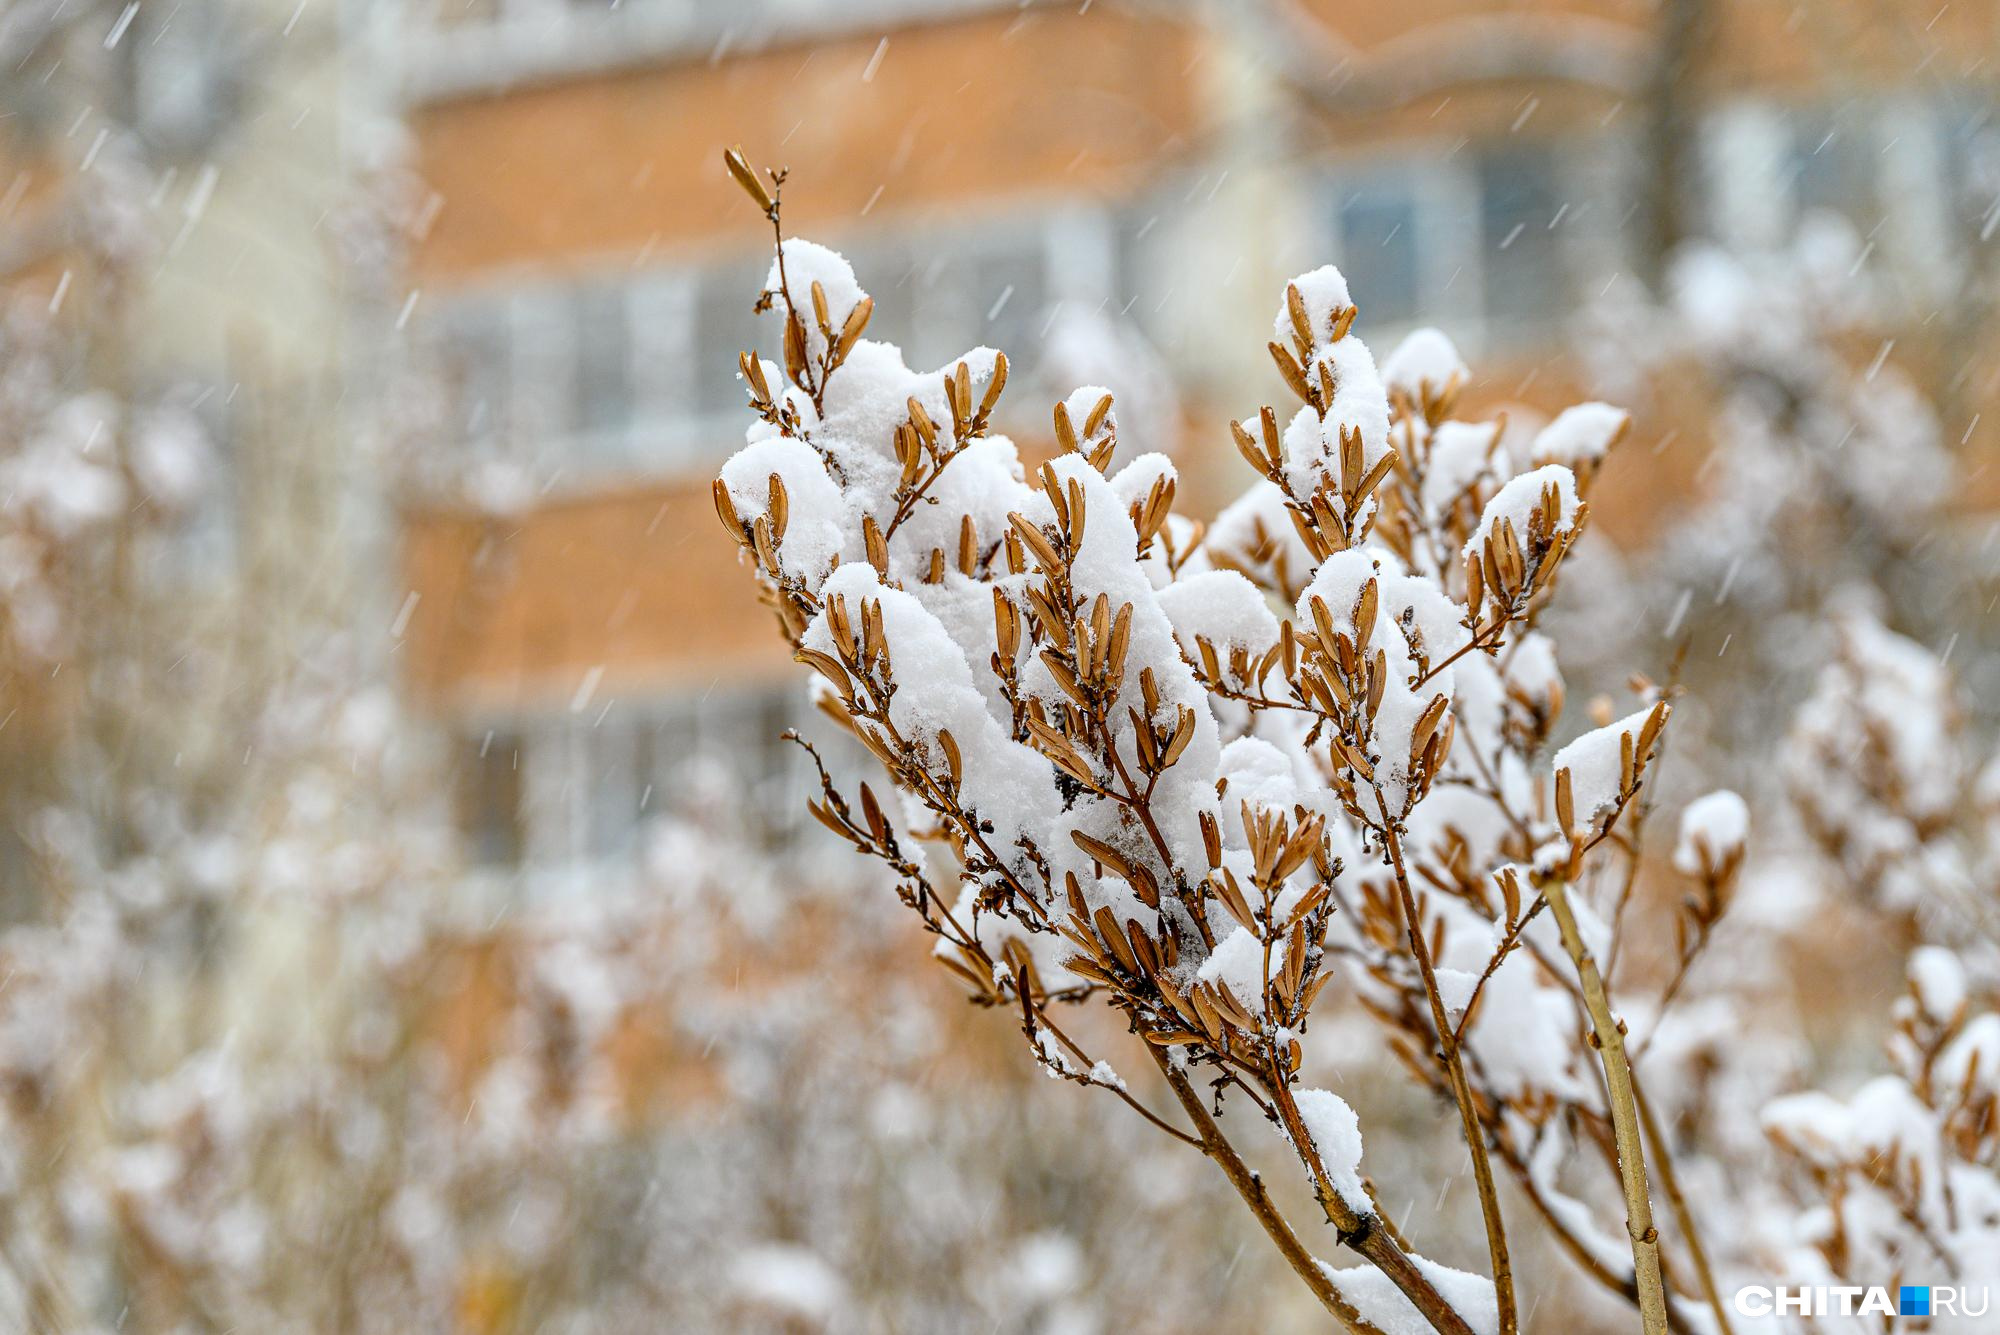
626, 162
642, 581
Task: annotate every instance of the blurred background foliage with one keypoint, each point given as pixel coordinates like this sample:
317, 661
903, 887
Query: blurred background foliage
406, 886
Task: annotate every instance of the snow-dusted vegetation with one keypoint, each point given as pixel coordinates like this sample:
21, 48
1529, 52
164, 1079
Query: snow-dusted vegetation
1503, 836
1224, 782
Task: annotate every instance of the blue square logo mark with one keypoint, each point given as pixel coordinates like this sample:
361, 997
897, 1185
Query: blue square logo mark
1914, 1300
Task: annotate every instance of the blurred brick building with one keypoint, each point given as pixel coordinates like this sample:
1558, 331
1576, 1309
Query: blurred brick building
1057, 180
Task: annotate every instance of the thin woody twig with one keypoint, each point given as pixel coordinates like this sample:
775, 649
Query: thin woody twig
1608, 1037
1359, 1233
1663, 1163
1461, 1088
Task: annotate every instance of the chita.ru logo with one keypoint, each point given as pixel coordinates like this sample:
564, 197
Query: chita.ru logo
1855, 1300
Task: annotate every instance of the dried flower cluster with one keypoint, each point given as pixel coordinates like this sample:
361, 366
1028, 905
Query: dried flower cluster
1208, 777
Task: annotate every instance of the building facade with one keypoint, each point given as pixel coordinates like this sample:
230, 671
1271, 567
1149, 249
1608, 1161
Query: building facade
1060, 181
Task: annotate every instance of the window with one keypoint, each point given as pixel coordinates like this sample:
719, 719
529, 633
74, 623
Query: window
578, 377
582, 790
887, 273
612, 783
1972, 157
1833, 169
1480, 240
603, 344
1378, 250
725, 325
1520, 212
728, 750
1005, 288
943, 296
476, 352
488, 791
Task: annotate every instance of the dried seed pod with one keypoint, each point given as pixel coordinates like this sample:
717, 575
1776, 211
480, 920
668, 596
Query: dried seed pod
1031, 536
1097, 416
1427, 724
921, 420
739, 167
1183, 734
1065, 433
968, 546
840, 626
1246, 445
1295, 306
780, 507
752, 371
1113, 937
795, 348
871, 810
995, 385
1231, 896
829, 667
850, 333
876, 545
725, 509
820, 310
1294, 375
954, 763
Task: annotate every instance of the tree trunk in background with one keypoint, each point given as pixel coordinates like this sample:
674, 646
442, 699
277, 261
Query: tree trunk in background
1669, 166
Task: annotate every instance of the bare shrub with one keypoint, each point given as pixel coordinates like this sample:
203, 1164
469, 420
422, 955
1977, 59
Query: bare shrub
1207, 777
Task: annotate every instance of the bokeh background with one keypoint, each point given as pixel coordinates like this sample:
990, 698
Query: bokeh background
412, 922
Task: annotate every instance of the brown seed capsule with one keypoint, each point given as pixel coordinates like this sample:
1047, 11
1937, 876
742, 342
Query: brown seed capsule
1267, 425
1114, 938
850, 333
829, 667
1373, 478
739, 167
1183, 734
1211, 839
1121, 642
954, 763
995, 385
1427, 725
876, 545
968, 546
1294, 375
1097, 416
921, 420
1295, 306
1246, 445
795, 348
1030, 535
780, 507
1232, 899
725, 510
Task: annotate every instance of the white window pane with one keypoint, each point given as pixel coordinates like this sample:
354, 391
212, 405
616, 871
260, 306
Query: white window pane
1378, 250
1522, 260
725, 326
603, 358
